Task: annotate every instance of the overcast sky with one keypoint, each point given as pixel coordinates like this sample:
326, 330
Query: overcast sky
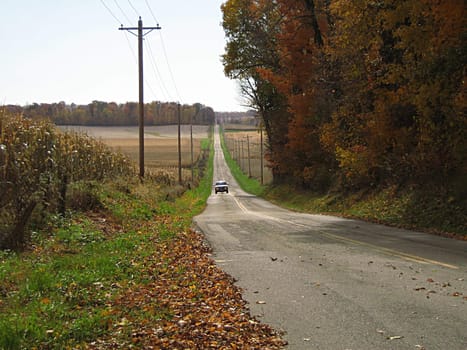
72, 51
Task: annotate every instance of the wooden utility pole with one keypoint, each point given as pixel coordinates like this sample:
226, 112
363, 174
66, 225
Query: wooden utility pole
140, 29
242, 155
249, 159
179, 146
191, 153
191, 143
262, 155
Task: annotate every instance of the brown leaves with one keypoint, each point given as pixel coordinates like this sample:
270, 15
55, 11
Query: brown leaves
444, 288
187, 303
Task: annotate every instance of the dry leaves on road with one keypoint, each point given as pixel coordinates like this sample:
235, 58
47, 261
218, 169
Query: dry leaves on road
188, 303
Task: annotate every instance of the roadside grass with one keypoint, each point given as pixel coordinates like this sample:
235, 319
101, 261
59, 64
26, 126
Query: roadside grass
61, 293
248, 184
129, 274
416, 208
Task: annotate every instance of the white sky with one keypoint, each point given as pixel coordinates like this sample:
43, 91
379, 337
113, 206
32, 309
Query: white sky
72, 51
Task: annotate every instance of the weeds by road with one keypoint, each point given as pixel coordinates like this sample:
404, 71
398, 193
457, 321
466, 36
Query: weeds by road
131, 274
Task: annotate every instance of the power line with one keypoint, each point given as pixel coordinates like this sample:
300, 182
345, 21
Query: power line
157, 73
165, 54
146, 83
134, 9
110, 11
162, 86
152, 13
123, 12
131, 47
170, 70
126, 35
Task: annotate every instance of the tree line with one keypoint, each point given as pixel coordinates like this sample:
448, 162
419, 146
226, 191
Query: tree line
354, 93
99, 113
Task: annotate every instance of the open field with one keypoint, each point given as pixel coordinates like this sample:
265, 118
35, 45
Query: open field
128, 132
232, 127
160, 144
158, 152
245, 149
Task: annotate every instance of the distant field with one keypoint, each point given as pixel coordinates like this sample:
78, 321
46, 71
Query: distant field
160, 143
238, 141
158, 152
128, 132
239, 127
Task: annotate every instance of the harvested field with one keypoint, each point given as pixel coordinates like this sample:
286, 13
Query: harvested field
160, 144
158, 152
245, 149
231, 127
127, 132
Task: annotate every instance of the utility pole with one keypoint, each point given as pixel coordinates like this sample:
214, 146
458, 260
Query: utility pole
249, 159
262, 155
191, 143
191, 153
140, 29
242, 155
179, 146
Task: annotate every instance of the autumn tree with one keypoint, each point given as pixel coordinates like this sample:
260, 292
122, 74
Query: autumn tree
430, 36
304, 78
355, 47
400, 115
250, 28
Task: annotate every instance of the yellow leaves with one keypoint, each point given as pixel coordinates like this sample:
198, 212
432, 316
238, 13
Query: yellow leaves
354, 161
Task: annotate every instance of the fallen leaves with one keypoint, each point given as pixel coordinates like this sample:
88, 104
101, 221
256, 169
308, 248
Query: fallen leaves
442, 288
188, 303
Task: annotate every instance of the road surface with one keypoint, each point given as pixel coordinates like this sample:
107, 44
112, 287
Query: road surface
334, 283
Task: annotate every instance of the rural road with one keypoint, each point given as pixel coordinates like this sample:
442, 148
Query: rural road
338, 284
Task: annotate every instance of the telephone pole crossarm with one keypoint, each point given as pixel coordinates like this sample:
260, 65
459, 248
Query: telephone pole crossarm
143, 28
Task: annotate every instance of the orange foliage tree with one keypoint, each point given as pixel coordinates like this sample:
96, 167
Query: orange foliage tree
374, 92
303, 79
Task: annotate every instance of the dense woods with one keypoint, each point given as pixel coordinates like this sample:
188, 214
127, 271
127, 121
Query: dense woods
354, 93
113, 114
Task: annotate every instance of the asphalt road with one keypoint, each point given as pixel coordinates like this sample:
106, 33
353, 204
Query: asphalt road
334, 283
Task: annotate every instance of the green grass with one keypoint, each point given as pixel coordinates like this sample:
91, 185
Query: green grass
418, 208
59, 294
57, 298
248, 184
194, 200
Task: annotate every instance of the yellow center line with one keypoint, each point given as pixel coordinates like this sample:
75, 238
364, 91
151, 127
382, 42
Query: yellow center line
392, 252
240, 205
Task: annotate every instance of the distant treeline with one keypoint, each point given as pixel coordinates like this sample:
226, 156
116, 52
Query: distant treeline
100, 113
247, 118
